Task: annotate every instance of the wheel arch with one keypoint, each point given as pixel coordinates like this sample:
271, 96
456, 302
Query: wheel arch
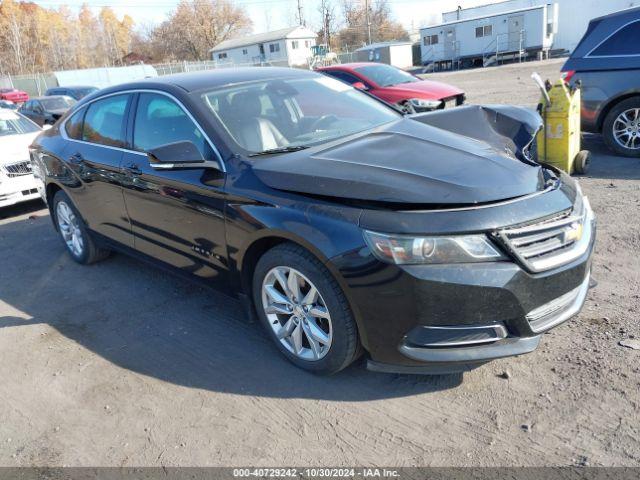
50, 191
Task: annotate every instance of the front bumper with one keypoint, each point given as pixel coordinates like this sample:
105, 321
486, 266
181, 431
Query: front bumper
18, 189
451, 318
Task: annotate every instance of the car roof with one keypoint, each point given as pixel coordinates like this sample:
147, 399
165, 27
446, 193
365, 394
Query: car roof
49, 97
71, 87
216, 78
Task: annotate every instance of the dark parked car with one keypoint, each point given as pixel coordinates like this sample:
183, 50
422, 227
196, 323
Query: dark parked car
78, 92
607, 63
396, 86
429, 243
46, 110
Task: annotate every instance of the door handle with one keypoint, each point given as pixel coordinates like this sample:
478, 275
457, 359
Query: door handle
132, 169
76, 158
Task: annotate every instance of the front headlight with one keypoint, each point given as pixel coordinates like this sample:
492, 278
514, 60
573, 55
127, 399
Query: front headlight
421, 103
407, 250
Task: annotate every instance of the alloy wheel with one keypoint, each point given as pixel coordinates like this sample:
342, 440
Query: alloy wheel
626, 129
70, 229
297, 313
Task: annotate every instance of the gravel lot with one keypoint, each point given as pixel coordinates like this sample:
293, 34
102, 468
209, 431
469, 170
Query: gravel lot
118, 364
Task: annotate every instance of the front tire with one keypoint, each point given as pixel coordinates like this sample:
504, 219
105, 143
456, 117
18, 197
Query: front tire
74, 232
621, 128
304, 310
581, 162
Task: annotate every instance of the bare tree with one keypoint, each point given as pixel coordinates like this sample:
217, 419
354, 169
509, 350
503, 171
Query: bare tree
383, 27
196, 26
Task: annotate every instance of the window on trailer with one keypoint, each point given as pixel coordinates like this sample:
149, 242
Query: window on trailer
430, 40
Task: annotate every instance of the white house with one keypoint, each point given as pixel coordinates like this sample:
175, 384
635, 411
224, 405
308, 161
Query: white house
287, 47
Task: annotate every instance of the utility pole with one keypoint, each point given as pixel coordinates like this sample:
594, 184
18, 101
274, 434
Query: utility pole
300, 19
366, 11
327, 33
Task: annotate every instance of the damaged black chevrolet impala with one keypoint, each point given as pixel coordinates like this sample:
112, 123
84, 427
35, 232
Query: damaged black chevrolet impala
429, 243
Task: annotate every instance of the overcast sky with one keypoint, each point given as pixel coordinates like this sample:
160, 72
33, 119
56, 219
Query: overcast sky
274, 14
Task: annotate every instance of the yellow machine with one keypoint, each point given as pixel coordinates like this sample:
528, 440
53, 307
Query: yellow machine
559, 140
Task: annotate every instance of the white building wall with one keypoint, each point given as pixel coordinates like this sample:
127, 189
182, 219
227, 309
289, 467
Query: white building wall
464, 33
283, 53
300, 55
401, 56
573, 15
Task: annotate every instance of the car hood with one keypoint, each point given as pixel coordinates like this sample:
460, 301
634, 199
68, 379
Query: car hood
426, 89
15, 148
406, 162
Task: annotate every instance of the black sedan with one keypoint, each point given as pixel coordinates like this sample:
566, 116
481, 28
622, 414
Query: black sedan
46, 110
428, 243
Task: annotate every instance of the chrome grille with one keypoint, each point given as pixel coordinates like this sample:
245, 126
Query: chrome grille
18, 169
553, 242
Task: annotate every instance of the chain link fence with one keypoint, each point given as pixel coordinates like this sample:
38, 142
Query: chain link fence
36, 84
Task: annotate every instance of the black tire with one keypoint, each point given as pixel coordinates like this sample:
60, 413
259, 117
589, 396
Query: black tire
581, 162
345, 344
91, 252
608, 125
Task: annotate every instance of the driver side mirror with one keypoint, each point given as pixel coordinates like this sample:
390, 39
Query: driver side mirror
176, 155
359, 86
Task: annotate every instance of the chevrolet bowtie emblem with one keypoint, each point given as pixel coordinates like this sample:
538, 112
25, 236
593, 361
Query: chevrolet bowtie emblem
573, 233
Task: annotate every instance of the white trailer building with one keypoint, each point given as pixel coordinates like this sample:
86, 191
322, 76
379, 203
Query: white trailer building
486, 39
573, 15
289, 47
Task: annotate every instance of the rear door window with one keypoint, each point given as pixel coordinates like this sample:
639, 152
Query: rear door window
160, 120
624, 42
104, 122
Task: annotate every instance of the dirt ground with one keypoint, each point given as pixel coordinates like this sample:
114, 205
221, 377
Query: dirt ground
118, 364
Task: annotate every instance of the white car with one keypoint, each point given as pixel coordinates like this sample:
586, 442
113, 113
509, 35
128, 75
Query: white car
17, 183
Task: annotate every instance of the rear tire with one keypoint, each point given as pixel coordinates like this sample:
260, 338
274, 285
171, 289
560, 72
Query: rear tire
315, 331
74, 232
620, 129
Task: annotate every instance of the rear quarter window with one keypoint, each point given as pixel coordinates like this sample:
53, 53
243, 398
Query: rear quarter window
625, 41
73, 126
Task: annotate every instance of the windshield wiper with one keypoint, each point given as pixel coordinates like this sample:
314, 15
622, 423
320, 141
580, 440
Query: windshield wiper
280, 150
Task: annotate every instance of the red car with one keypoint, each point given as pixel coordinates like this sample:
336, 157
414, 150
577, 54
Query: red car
14, 95
396, 86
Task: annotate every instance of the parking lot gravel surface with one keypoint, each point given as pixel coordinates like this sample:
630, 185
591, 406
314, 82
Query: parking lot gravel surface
120, 364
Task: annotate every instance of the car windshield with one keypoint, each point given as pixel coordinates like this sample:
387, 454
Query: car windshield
7, 90
16, 125
79, 93
286, 114
57, 103
385, 75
